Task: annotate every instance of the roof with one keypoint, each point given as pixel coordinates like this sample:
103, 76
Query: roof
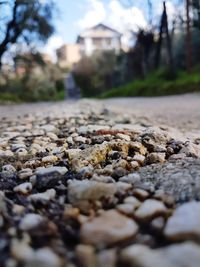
99, 31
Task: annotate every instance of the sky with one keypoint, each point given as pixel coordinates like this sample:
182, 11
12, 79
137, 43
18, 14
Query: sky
76, 15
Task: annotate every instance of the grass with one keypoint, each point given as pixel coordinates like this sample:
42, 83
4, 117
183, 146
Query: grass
157, 84
9, 98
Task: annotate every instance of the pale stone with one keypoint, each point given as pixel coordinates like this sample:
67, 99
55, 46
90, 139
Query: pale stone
86, 255
23, 188
89, 190
21, 152
109, 228
92, 128
45, 196
43, 257
107, 258
139, 158
25, 173
53, 136
15, 147
156, 157
150, 209
30, 221
180, 255
131, 178
140, 193
50, 159
124, 137
133, 201
20, 250
48, 128
45, 171
126, 208
191, 149
184, 223
8, 168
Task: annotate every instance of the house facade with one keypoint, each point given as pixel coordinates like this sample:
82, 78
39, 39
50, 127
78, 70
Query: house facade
68, 55
99, 38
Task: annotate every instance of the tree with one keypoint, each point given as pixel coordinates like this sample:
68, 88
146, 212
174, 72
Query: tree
164, 29
196, 13
188, 37
29, 20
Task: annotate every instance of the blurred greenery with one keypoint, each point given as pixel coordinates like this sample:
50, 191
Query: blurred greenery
32, 89
158, 84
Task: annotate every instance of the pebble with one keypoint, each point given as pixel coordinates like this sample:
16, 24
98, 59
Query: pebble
140, 193
156, 158
89, 190
43, 257
184, 223
127, 209
16, 147
109, 228
92, 128
133, 201
25, 173
8, 168
131, 178
158, 223
21, 250
45, 196
180, 255
49, 170
107, 258
124, 137
30, 221
49, 159
48, 128
86, 255
21, 152
139, 158
149, 209
23, 188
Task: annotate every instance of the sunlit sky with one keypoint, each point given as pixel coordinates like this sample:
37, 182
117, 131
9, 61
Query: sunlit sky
76, 15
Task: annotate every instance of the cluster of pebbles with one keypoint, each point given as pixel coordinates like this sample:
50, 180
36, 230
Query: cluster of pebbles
97, 189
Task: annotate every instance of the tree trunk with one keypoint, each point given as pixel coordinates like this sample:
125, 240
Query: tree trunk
164, 28
188, 38
169, 45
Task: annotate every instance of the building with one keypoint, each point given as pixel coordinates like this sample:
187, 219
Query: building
68, 55
99, 38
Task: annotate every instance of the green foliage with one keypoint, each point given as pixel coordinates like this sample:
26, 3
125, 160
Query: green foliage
30, 89
157, 84
9, 98
27, 21
97, 73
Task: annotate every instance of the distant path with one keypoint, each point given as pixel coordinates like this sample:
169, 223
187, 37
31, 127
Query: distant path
181, 111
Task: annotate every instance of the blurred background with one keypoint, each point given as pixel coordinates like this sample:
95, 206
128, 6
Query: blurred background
53, 50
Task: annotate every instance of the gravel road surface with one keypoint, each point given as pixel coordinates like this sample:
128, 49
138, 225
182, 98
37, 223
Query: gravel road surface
101, 183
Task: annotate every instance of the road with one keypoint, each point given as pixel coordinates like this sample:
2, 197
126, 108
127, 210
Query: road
97, 182
181, 111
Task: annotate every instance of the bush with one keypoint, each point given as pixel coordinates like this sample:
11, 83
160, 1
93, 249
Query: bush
98, 73
157, 84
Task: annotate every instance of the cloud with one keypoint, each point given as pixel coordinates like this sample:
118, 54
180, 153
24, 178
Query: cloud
53, 43
115, 15
125, 18
95, 14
